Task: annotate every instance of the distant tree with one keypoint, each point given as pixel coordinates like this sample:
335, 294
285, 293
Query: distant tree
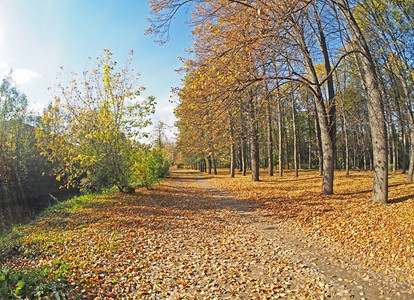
21, 167
14, 145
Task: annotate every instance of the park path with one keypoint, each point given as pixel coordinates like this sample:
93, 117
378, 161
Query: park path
269, 260
187, 239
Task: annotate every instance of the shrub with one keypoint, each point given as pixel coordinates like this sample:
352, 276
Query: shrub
150, 166
33, 284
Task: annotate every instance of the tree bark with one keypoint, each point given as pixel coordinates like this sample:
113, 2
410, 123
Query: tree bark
213, 154
280, 135
346, 138
411, 165
269, 137
295, 142
310, 137
319, 142
243, 141
375, 105
254, 142
232, 150
268, 125
324, 118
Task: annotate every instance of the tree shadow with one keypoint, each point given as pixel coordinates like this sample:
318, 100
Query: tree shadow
366, 191
400, 199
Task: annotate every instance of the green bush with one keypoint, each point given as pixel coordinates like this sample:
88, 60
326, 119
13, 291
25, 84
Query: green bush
32, 284
150, 166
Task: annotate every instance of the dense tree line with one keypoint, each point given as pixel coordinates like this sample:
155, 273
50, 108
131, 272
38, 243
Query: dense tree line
87, 139
24, 173
325, 83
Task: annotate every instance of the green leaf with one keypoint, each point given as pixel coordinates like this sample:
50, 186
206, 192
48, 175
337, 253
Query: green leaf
20, 284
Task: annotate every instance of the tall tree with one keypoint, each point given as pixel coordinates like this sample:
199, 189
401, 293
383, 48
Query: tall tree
375, 105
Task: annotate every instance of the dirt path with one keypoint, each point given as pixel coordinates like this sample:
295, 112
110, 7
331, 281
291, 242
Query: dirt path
310, 269
185, 239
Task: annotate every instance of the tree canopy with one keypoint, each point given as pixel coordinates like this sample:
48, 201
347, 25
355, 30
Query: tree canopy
251, 60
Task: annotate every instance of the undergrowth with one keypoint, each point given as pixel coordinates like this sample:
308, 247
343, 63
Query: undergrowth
43, 283
33, 241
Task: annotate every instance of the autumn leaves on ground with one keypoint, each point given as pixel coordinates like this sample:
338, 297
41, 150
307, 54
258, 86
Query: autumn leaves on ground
178, 240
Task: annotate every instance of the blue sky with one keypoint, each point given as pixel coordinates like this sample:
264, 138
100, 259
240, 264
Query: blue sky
38, 37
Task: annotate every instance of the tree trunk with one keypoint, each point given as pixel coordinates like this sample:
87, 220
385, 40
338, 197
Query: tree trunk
323, 116
375, 106
243, 145
232, 150
213, 154
310, 139
411, 157
269, 138
319, 142
269, 126
295, 142
346, 140
254, 142
403, 150
411, 165
280, 131
286, 135
330, 82
232, 160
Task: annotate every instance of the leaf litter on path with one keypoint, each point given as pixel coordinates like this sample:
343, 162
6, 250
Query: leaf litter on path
176, 241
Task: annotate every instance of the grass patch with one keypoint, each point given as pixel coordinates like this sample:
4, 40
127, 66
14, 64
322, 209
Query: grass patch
72, 205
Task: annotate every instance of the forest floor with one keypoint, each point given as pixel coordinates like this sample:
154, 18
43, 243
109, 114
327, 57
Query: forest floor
214, 237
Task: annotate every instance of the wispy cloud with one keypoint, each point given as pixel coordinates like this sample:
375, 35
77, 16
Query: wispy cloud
19, 75
24, 76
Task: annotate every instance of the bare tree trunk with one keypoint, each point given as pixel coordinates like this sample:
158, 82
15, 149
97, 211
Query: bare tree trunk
411, 157
213, 157
310, 153
324, 119
310, 139
269, 138
280, 133
345, 127
375, 106
269, 126
254, 143
232, 150
319, 142
295, 143
365, 160
394, 151
286, 135
346, 141
243, 145
403, 149
330, 82
411, 166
